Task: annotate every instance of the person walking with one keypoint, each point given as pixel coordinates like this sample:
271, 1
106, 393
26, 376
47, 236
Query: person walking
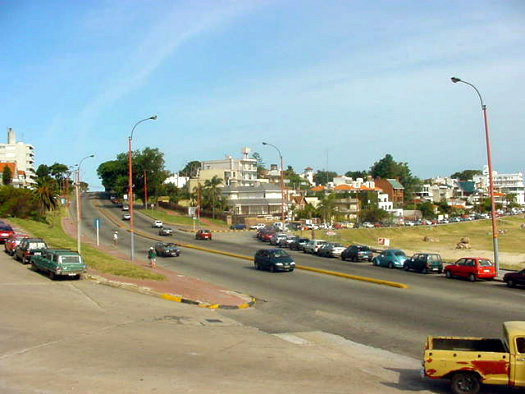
152, 256
115, 238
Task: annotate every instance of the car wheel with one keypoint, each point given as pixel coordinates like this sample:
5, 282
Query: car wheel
424, 270
464, 383
510, 283
257, 267
440, 271
472, 278
343, 258
448, 274
405, 267
272, 268
52, 275
291, 269
390, 265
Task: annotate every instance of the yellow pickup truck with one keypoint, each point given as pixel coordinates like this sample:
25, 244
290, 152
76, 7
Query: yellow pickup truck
470, 362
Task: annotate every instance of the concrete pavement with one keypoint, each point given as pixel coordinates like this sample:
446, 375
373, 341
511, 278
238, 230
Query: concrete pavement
77, 336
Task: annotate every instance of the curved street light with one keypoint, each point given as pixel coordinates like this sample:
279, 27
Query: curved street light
491, 182
77, 195
281, 180
130, 185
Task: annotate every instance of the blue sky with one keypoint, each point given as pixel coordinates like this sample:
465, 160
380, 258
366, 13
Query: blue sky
334, 84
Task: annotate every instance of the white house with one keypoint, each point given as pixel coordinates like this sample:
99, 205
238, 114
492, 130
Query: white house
24, 157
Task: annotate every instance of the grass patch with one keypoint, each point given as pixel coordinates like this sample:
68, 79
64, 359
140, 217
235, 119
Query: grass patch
173, 218
55, 237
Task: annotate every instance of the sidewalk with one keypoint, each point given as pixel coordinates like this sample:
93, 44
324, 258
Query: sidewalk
176, 287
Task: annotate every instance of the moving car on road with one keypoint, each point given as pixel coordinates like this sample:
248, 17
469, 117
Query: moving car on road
203, 234
167, 249
391, 258
424, 263
357, 253
165, 231
126, 216
158, 224
273, 260
29, 247
514, 278
472, 268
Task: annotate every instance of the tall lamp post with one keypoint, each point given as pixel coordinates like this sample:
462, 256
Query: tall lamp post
281, 180
130, 185
491, 182
77, 195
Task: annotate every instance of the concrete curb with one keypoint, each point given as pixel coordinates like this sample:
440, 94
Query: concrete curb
239, 256
167, 296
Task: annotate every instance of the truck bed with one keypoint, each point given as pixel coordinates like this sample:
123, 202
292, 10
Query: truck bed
469, 344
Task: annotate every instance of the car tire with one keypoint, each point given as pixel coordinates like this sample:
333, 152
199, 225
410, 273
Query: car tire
424, 271
291, 269
465, 383
440, 271
52, 275
405, 267
272, 268
448, 274
472, 278
343, 258
390, 265
510, 283
257, 267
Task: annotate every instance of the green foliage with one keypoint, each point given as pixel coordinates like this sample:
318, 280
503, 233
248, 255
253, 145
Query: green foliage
261, 166
427, 210
307, 212
465, 175
323, 177
43, 171
21, 203
211, 197
191, 169
357, 174
7, 177
387, 167
373, 214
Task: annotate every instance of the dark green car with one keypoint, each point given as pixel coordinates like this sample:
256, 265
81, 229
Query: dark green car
424, 263
273, 260
59, 262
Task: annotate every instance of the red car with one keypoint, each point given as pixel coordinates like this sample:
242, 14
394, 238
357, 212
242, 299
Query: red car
472, 268
5, 232
203, 234
12, 242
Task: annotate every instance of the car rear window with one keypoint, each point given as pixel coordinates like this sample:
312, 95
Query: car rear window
363, 248
37, 245
485, 263
400, 253
5, 227
70, 259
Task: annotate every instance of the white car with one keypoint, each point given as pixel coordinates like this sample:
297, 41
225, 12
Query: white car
126, 216
257, 226
158, 224
313, 246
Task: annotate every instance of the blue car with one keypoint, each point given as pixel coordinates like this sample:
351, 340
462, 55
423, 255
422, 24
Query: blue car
391, 258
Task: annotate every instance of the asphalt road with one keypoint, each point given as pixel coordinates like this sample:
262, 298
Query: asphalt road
390, 318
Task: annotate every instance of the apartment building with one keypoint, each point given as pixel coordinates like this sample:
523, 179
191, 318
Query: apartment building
23, 156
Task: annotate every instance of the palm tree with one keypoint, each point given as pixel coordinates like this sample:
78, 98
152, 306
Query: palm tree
326, 207
212, 191
45, 195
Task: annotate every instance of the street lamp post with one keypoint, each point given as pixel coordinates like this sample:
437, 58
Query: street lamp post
491, 182
281, 180
77, 195
130, 185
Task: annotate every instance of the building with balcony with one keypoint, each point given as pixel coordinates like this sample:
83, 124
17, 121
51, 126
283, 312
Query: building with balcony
254, 200
23, 155
241, 172
393, 188
510, 184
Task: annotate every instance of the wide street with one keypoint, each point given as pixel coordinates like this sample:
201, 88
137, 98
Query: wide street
394, 319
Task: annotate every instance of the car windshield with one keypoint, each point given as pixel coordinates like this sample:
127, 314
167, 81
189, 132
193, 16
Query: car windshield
6, 228
280, 253
363, 248
485, 263
400, 253
337, 245
205, 231
70, 259
37, 245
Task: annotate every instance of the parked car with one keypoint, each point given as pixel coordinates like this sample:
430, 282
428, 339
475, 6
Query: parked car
313, 246
424, 263
203, 234
391, 258
298, 243
165, 231
473, 268
267, 236
59, 262
257, 226
125, 207
514, 278
126, 216
238, 226
158, 224
285, 243
273, 260
29, 247
5, 232
367, 225
357, 253
331, 249
166, 249
277, 238
12, 242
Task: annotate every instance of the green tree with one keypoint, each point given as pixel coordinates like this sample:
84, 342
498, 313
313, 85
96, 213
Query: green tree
427, 209
465, 175
58, 171
7, 177
326, 207
261, 166
357, 174
373, 214
191, 169
43, 171
387, 168
45, 194
212, 194
323, 177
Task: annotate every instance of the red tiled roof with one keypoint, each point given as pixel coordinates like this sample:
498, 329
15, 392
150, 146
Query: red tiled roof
319, 188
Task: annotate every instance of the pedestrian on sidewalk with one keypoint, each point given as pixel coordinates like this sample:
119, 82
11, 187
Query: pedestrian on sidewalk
152, 256
115, 238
